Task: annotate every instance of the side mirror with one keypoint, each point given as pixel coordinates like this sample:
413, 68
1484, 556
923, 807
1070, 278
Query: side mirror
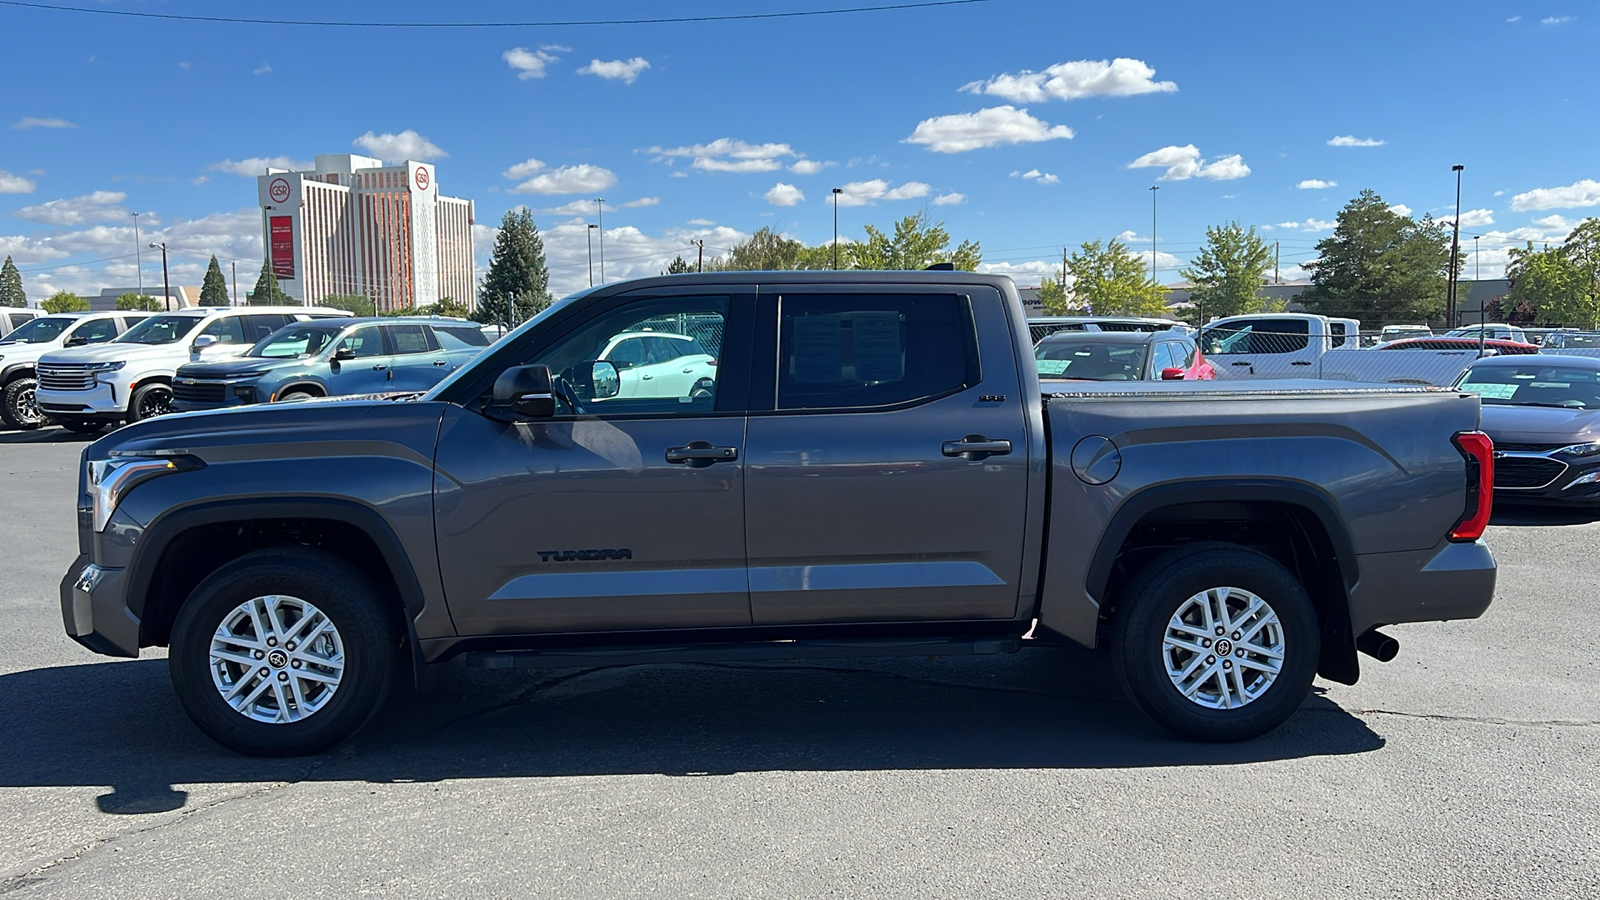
204, 341
525, 391
1171, 374
76, 341
344, 354
607, 383
621, 364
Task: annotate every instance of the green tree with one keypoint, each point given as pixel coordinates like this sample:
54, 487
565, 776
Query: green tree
517, 285
449, 307
678, 266
63, 301
917, 244
1111, 279
764, 251
1560, 284
267, 292
1053, 297
139, 302
1229, 271
1380, 267
11, 292
214, 289
356, 304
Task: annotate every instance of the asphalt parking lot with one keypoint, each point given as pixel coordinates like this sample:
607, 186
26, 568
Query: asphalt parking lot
1465, 768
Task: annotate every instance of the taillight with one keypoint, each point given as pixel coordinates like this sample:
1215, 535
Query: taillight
711, 362
1478, 451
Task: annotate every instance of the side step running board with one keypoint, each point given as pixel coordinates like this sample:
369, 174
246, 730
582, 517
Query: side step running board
570, 657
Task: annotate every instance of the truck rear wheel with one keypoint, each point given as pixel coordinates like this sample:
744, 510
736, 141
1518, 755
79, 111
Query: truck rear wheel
283, 652
1215, 642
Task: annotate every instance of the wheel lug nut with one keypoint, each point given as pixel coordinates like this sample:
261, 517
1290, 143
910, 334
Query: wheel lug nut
1227, 665
1209, 661
265, 672
261, 654
1236, 635
1205, 642
296, 663
1221, 631
1239, 653
289, 646
283, 676
273, 642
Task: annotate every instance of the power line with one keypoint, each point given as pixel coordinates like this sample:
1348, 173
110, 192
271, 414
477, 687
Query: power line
553, 24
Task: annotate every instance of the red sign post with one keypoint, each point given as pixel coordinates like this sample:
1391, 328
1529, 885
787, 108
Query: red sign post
282, 232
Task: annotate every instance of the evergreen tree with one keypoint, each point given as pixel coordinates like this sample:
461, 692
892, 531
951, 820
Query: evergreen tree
214, 289
267, 292
11, 292
678, 266
1380, 267
517, 285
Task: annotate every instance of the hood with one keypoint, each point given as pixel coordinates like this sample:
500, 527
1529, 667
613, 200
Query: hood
235, 367
1540, 424
113, 351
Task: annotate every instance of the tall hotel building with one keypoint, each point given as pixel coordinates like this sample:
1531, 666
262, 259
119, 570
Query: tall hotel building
353, 225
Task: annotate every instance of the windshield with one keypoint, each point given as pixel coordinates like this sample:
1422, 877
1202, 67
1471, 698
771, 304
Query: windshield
1091, 360
39, 331
160, 330
467, 371
291, 342
1534, 385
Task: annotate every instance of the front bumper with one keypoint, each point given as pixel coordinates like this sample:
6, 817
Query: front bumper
103, 401
1455, 581
1577, 482
94, 609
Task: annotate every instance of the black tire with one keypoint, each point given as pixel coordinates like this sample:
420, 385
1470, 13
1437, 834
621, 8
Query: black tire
149, 401
17, 406
367, 630
296, 395
1155, 594
80, 426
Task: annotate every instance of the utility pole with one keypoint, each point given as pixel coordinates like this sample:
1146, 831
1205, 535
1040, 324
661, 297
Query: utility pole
1275, 249
1455, 244
836, 193
600, 207
588, 234
1153, 189
166, 286
234, 265
138, 257
700, 255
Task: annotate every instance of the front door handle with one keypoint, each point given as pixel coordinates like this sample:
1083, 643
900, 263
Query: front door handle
379, 367
441, 362
976, 446
1301, 363
1241, 364
699, 454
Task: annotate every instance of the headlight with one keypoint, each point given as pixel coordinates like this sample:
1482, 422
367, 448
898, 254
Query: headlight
104, 366
1588, 449
111, 479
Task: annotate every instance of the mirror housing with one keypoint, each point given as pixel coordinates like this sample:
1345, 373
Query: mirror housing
75, 341
344, 354
607, 382
204, 341
1171, 374
525, 391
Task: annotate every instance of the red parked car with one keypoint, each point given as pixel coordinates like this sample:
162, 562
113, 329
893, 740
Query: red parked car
1504, 348
1121, 356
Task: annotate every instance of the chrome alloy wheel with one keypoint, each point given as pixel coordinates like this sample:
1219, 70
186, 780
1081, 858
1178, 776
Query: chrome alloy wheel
1223, 647
276, 659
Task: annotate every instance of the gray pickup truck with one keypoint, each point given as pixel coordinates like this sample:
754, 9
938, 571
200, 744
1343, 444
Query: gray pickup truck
870, 469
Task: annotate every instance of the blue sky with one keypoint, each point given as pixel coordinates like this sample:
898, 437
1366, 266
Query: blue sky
1024, 125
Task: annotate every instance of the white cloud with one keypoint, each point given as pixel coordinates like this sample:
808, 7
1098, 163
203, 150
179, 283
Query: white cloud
1072, 80
579, 179
1307, 225
524, 169
1580, 193
1182, 163
574, 208
397, 147
1560, 224
1315, 184
700, 222
1025, 272
100, 206
1514, 19
679, 174
1557, 20
1474, 218
868, 193
185, 66
623, 70
643, 201
809, 166
629, 252
784, 195
15, 184
1400, 209
258, 165
1036, 175
263, 69
990, 127
1350, 140
950, 199
35, 122
528, 63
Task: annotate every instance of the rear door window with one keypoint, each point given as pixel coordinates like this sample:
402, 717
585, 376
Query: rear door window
410, 339
96, 331
840, 351
227, 330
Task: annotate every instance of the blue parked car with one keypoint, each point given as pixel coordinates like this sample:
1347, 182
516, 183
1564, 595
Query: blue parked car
332, 358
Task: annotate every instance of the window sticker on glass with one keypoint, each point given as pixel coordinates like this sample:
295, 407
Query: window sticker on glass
1493, 391
879, 354
1052, 366
818, 349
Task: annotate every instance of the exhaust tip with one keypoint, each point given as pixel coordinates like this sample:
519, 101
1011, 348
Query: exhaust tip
1378, 645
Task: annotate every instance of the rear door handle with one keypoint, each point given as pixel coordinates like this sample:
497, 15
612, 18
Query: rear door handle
1241, 364
699, 454
1300, 363
976, 446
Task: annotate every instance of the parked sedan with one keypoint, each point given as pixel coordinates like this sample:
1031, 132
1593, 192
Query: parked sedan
1124, 356
1543, 414
332, 358
660, 364
1502, 347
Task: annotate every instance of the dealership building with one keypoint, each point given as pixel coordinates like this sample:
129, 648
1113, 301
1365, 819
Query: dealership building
353, 225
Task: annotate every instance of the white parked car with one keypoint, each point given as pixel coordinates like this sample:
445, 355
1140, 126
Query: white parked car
660, 364
21, 349
14, 317
1493, 331
1300, 345
1396, 332
84, 389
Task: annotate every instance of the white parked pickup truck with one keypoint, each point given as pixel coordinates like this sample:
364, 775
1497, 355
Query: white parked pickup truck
1300, 345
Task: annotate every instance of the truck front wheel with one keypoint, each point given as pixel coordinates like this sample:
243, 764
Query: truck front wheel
17, 406
283, 652
1215, 642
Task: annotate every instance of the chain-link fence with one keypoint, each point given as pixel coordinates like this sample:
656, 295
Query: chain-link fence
1291, 348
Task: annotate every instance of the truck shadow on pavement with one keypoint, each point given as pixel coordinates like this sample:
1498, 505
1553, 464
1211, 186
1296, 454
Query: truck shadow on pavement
118, 724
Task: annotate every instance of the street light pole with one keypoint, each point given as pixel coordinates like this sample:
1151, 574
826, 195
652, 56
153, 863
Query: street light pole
1455, 244
836, 193
234, 265
138, 255
600, 206
1153, 189
166, 286
700, 255
588, 234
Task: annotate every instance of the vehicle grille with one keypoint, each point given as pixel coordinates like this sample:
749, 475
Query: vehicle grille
61, 377
1530, 448
201, 392
1523, 472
